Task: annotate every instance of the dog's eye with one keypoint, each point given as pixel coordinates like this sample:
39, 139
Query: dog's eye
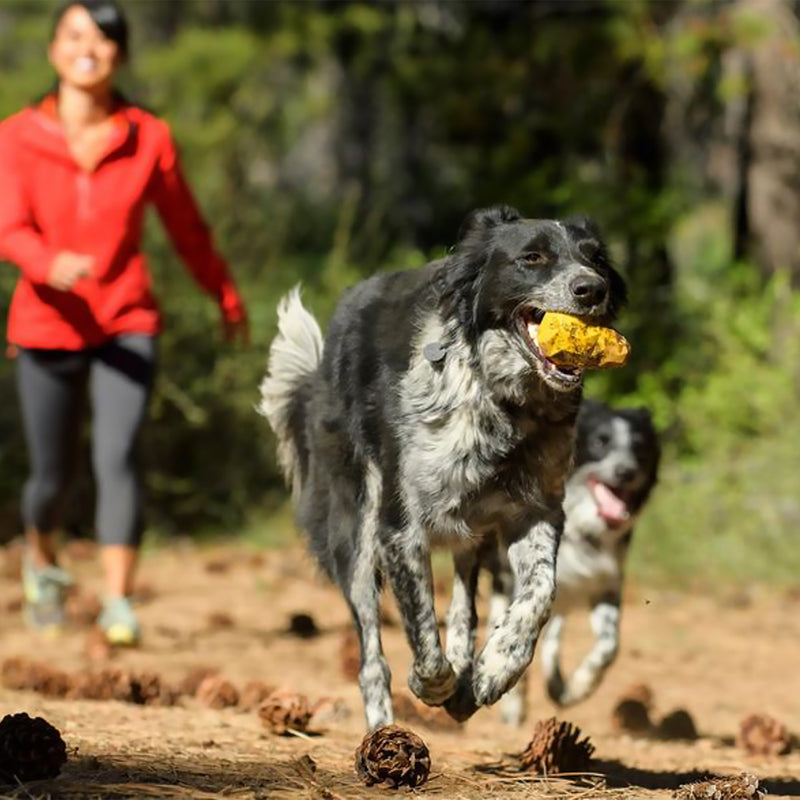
534, 259
602, 440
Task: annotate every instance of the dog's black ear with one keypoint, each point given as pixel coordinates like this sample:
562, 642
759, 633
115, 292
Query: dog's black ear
585, 223
484, 218
643, 413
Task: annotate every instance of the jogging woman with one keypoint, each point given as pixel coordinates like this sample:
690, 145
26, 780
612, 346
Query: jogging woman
78, 170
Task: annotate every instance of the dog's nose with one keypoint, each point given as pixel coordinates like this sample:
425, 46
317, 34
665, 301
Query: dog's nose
588, 289
624, 474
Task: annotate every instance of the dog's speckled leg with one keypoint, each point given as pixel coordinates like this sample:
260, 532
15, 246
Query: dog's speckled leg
587, 676
408, 565
510, 645
363, 595
462, 617
551, 657
514, 703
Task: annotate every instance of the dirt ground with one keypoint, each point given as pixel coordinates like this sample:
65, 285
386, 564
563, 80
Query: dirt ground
719, 654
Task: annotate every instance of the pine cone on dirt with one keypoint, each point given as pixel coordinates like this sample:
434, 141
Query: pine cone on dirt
254, 694
151, 690
555, 748
21, 674
283, 711
741, 787
350, 651
762, 735
631, 713
394, 756
193, 678
220, 620
30, 749
641, 692
107, 684
631, 716
215, 691
303, 626
677, 725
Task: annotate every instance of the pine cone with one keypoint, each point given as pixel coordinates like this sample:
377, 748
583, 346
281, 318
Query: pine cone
151, 690
283, 711
254, 694
220, 620
31, 749
350, 650
216, 692
21, 674
394, 756
217, 566
762, 735
641, 692
107, 684
677, 725
631, 716
555, 749
193, 678
303, 626
742, 787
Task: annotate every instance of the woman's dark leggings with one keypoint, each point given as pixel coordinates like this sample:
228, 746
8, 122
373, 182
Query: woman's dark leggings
53, 387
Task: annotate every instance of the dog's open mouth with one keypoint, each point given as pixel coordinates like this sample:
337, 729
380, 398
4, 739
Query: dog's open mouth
611, 504
559, 377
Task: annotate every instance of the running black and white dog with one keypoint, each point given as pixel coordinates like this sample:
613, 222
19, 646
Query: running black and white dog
616, 468
430, 417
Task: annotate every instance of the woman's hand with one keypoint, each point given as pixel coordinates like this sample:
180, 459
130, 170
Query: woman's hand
236, 329
67, 268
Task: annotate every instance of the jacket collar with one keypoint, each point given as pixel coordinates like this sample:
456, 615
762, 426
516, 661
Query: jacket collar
46, 134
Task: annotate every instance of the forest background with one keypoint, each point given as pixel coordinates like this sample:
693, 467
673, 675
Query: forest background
328, 140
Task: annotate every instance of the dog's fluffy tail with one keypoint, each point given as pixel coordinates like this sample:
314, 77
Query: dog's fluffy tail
295, 353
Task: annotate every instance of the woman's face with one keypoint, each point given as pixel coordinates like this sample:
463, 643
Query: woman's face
80, 53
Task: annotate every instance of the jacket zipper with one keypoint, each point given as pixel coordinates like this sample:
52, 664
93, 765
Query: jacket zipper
84, 189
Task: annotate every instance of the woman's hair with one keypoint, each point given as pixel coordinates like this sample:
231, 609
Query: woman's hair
107, 15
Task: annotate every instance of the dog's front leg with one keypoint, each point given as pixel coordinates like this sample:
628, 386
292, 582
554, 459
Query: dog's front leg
407, 563
510, 645
462, 617
551, 657
588, 674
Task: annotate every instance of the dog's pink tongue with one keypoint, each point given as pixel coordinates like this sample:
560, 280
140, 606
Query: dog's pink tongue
610, 507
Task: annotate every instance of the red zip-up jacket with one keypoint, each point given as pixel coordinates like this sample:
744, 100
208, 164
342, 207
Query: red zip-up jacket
49, 204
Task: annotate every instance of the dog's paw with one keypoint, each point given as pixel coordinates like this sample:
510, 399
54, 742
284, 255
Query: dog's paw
432, 686
556, 690
461, 706
488, 689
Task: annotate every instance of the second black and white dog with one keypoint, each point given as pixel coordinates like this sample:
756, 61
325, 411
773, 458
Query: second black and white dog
429, 416
616, 467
